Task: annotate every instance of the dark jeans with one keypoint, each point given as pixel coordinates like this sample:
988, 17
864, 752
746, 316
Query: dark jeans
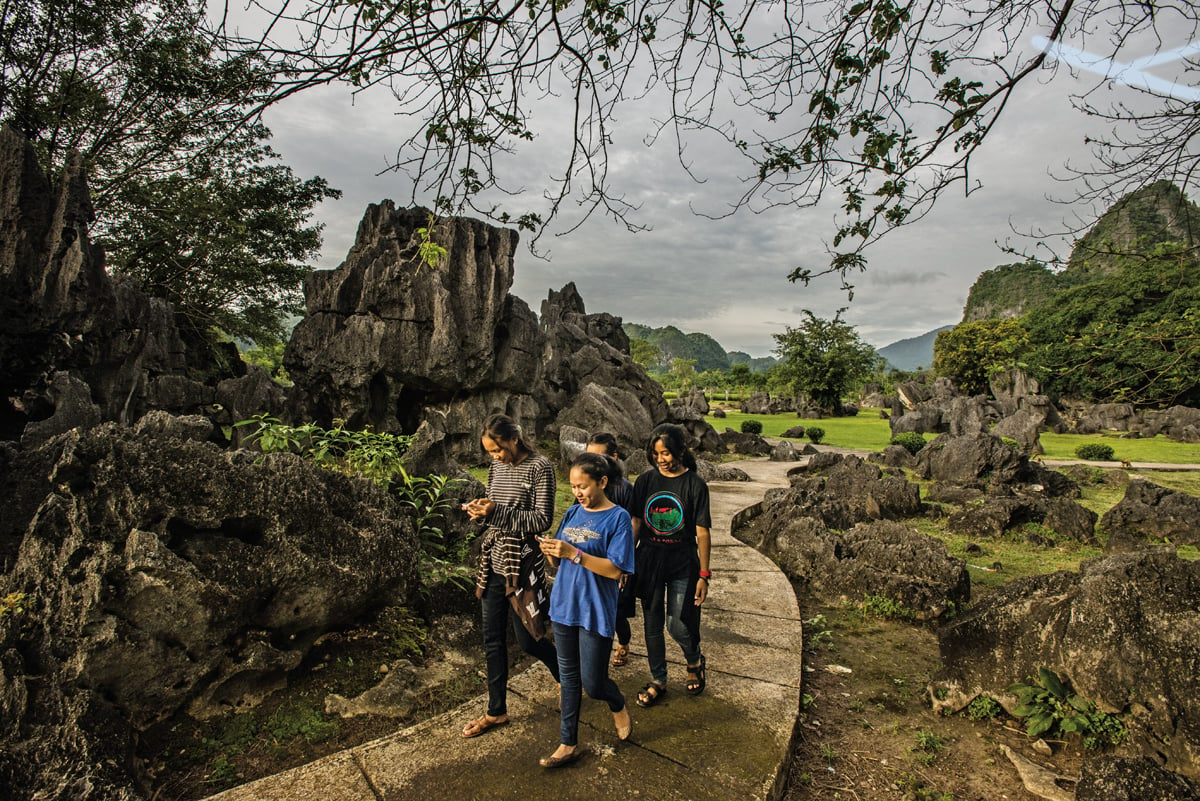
682, 619
583, 663
496, 608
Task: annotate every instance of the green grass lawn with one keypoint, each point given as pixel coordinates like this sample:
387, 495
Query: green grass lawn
1158, 449
868, 431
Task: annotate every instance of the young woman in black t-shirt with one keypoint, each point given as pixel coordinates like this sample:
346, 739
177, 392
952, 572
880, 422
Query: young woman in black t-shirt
671, 522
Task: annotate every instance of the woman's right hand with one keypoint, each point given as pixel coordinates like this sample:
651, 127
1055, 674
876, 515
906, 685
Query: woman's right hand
479, 508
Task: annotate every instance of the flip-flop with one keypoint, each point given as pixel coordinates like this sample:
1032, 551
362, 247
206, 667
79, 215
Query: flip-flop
650, 695
696, 686
478, 726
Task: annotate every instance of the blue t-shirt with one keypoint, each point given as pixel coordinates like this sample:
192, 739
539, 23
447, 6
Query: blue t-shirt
580, 597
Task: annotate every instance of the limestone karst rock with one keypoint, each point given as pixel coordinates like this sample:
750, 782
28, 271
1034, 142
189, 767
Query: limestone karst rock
1124, 631
161, 573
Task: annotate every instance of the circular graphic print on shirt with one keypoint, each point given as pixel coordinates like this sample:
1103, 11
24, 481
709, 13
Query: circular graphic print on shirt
664, 513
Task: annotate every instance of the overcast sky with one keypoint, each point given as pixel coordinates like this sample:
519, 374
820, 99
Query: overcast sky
727, 277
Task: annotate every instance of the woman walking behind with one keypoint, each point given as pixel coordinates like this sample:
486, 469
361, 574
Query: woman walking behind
671, 522
593, 548
620, 492
519, 505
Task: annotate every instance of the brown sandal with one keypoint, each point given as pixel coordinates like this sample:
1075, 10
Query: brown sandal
620, 655
478, 726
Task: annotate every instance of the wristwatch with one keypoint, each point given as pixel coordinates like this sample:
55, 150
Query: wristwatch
577, 557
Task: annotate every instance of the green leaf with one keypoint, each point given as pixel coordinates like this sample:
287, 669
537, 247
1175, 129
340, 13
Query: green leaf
1051, 682
1039, 724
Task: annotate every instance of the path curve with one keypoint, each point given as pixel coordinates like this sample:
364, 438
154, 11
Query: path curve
732, 742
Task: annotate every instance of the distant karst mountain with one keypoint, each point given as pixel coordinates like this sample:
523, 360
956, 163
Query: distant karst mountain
912, 353
1135, 224
706, 351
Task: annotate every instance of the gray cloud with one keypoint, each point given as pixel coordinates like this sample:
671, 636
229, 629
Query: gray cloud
726, 277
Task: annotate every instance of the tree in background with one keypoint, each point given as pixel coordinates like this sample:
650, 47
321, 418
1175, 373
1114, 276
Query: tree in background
683, 374
826, 359
883, 104
645, 353
970, 353
189, 199
1132, 335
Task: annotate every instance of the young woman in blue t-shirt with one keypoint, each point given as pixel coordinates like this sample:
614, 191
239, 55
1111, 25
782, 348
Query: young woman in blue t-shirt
593, 547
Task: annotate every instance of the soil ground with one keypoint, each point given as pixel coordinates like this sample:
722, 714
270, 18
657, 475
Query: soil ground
870, 734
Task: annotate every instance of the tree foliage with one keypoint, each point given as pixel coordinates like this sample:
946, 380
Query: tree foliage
825, 359
189, 199
882, 103
1132, 335
970, 353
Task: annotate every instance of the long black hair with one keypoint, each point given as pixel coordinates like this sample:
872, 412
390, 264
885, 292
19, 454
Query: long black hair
501, 427
671, 436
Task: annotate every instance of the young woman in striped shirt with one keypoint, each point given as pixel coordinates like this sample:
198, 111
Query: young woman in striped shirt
518, 506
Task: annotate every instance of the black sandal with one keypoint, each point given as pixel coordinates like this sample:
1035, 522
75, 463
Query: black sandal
651, 694
696, 686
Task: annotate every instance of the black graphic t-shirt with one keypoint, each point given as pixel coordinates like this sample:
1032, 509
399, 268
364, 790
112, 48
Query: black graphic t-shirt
671, 507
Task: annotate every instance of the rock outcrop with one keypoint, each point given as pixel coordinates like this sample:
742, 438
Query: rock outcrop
882, 559
77, 346
1124, 631
392, 342
1150, 512
161, 573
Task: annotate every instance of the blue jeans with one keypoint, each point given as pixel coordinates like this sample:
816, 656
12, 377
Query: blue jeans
682, 619
496, 609
583, 660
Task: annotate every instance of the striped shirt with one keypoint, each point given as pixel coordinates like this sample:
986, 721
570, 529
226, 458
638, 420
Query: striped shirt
524, 498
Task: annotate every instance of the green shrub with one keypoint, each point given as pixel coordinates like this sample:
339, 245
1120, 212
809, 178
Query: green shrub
815, 434
751, 427
1095, 452
887, 608
983, 707
1050, 706
911, 441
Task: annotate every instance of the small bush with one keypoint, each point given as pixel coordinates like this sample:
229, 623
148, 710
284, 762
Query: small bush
751, 427
885, 608
983, 707
911, 441
1095, 452
815, 434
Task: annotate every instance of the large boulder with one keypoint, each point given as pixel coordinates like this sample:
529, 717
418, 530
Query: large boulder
744, 443
1149, 511
1009, 386
1109, 777
972, 460
841, 491
160, 574
1124, 631
879, 558
996, 515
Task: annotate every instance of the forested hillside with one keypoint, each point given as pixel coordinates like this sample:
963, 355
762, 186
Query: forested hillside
674, 344
1121, 322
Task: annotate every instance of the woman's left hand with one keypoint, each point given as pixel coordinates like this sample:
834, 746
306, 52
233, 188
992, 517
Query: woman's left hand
701, 591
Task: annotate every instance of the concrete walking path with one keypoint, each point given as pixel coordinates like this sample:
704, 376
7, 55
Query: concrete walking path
732, 742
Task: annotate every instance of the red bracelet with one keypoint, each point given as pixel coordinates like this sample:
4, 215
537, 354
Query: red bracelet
706, 575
